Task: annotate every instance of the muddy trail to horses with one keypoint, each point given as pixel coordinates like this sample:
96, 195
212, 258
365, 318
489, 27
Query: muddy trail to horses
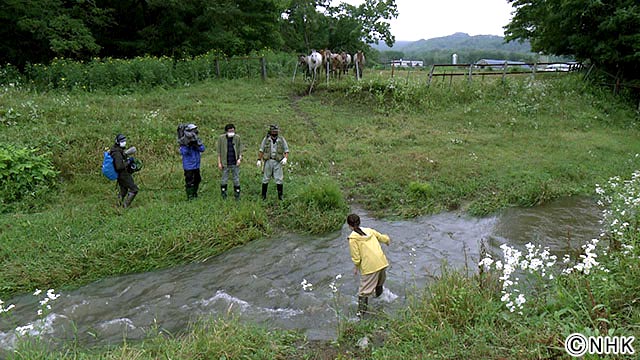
261, 282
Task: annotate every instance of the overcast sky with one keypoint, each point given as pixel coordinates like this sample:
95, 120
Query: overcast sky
426, 19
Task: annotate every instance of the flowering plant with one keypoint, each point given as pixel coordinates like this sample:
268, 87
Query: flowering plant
621, 199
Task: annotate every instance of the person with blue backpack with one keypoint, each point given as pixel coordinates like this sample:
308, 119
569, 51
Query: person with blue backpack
190, 148
128, 188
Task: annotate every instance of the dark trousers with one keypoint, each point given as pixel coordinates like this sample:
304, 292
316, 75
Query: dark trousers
192, 179
126, 184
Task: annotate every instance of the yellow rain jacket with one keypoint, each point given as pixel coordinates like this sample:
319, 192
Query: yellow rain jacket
366, 252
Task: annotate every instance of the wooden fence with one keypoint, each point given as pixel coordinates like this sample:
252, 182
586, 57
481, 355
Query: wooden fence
471, 71
505, 69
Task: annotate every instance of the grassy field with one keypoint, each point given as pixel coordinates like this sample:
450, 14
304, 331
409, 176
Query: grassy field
398, 149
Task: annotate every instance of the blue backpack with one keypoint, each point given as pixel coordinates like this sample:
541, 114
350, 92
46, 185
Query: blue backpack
108, 169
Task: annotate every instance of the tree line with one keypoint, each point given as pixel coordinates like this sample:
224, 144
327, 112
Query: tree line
37, 31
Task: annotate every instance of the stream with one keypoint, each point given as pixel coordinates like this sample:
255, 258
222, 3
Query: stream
260, 282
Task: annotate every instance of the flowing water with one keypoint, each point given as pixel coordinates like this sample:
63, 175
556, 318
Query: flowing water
261, 281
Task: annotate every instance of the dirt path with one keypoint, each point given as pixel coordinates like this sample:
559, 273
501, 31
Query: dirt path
294, 100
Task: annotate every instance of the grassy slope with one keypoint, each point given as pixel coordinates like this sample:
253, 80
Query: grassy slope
478, 147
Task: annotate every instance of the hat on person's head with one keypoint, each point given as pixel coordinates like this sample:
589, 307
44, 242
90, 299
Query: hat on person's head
229, 126
190, 127
274, 127
120, 138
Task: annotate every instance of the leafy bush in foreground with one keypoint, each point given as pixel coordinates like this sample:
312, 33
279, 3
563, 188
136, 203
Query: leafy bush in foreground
24, 173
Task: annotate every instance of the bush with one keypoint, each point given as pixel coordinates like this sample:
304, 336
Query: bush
24, 173
317, 207
420, 190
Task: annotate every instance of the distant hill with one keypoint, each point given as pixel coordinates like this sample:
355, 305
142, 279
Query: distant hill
456, 42
399, 45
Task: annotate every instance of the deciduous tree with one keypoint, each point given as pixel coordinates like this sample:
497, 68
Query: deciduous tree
602, 32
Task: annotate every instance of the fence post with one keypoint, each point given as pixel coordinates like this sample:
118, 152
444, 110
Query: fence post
535, 68
431, 74
470, 71
217, 68
504, 71
327, 71
263, 63
295, 69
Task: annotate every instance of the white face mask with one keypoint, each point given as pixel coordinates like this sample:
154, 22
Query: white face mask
231, 134
123, 144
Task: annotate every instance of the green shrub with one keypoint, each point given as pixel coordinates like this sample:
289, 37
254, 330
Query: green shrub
24, 173
316, 207
420, 190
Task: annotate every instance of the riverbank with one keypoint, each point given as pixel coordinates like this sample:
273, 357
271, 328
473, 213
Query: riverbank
399, 150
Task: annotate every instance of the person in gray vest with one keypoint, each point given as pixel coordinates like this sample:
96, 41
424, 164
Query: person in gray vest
229, 159
273, 155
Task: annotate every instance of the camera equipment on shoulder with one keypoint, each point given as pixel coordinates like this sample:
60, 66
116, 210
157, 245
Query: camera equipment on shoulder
134, 165
187, 134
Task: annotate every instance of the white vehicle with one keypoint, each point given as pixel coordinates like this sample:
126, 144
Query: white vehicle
557, 67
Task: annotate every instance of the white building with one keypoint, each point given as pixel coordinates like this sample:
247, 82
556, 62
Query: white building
407, 63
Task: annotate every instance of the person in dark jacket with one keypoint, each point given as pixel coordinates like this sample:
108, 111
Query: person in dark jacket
229, 159
128, 188
191, 160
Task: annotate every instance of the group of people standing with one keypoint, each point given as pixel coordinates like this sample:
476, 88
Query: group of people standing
273, 154
364, 243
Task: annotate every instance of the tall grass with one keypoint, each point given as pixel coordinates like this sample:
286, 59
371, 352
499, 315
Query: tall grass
144, 73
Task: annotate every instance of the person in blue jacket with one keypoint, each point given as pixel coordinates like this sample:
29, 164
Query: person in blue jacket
190, 149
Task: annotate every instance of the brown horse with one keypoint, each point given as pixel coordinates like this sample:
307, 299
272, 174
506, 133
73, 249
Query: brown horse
359, 61
326, 61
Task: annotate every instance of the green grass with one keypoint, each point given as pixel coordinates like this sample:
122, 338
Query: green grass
398, 149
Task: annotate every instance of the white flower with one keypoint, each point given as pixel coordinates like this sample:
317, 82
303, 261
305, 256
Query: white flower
23, 330
37, 292
306, 286
486, 262
52, 295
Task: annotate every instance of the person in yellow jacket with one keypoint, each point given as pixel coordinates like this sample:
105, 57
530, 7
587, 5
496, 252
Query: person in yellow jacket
369, 260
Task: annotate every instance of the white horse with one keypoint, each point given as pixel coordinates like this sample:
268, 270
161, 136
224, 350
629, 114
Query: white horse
314, 62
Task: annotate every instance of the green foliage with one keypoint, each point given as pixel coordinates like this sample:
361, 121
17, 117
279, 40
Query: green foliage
604, 32
207, 339
316, 207
38, 30
422, 191
24, 173
141, 73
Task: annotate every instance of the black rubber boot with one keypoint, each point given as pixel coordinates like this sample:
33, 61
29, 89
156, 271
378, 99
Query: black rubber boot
191, 193
279, 188
264, 191
223, 191
362, 306
236, 192
379, 290
127, 201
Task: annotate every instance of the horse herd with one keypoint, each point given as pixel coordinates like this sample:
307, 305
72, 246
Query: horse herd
333, 64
